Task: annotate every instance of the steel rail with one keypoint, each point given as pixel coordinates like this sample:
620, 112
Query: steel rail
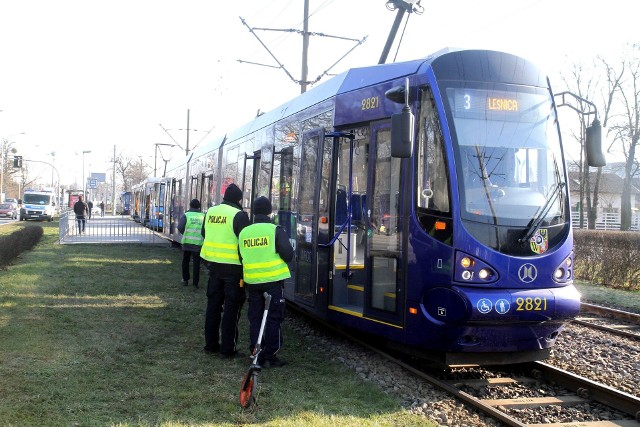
583, 387
589, 389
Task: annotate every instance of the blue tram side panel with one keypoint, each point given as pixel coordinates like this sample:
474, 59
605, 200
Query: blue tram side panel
146, 202
459, 249
124, 203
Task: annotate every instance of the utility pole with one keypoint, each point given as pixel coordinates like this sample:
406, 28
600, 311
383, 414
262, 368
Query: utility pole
305, 48
113, 191
304, 81
187, 149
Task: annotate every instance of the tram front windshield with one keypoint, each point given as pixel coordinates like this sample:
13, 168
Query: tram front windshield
508, 156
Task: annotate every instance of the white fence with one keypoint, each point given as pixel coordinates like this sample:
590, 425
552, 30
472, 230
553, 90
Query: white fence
606, 221
107, 229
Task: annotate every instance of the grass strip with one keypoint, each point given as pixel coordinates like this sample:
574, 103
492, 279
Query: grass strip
106, 335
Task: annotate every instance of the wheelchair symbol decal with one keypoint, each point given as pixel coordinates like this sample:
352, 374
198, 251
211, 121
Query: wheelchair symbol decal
484, 305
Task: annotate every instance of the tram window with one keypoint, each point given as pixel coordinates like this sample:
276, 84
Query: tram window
323, 202
308, 182
246, 182
207, 201
230, 168
282, 189
264, 173
286, 175
193, 188
179, 195
433, 180
360, 174
275, 183
385, 207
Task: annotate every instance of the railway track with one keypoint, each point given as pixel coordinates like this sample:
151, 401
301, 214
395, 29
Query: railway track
610, 320
625, 408
509, 393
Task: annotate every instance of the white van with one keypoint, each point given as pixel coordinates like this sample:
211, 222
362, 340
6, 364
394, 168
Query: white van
38, 205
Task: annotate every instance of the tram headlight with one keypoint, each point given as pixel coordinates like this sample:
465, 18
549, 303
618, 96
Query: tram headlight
469, 269
484, 274
564, 272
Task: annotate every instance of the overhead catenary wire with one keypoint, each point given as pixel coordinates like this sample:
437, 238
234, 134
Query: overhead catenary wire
303, 81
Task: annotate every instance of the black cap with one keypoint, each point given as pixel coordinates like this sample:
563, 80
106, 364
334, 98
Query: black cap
233, 194
194, 204
262, 206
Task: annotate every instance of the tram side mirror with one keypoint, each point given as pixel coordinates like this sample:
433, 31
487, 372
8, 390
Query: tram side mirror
402, 133
595, 157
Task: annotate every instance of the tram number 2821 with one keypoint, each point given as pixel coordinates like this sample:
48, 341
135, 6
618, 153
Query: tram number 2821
531, 304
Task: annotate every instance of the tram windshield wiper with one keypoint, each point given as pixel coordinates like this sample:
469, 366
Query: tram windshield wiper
542, 213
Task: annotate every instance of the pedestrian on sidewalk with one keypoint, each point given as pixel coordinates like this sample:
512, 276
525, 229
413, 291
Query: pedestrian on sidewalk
80, 209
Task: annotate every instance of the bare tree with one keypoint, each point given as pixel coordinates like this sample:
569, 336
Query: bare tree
131, 171
587, 84
625, 127
584, 84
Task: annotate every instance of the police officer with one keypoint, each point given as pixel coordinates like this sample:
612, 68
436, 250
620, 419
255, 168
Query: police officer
190, 225
222, 225
265, 249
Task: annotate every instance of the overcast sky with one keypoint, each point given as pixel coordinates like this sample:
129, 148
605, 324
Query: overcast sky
90, 75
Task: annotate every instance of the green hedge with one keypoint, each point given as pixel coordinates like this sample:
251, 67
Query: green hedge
12, 245
610, 258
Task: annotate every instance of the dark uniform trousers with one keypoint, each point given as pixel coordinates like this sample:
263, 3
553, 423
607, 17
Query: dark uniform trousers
272, 336
186, 257
223, 289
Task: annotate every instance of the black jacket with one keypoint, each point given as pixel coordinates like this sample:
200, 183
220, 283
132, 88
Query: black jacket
80, 208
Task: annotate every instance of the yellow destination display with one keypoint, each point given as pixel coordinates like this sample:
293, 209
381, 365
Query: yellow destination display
502, 104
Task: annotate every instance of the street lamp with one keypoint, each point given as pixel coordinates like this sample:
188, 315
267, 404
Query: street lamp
5, 148
53, 161
155, 161
84, 181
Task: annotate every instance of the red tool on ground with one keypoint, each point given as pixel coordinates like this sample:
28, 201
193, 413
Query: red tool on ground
250, 380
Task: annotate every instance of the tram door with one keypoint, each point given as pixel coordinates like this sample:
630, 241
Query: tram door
312, 222
384, 288
351, 175
366, 255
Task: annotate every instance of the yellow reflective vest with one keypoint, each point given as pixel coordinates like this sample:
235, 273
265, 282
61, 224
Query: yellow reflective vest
220, 242
193, 229
260, 261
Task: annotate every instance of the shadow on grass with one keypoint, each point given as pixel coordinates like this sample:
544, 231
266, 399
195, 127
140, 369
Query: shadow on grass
106, 335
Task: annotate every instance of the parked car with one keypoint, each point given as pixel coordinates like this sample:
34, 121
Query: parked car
9, 210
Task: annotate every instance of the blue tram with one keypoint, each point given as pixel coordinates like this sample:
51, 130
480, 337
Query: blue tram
124, 203
427, 203
149, 201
